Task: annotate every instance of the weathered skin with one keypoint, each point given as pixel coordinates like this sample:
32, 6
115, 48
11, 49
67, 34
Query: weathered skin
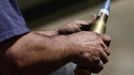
40, 53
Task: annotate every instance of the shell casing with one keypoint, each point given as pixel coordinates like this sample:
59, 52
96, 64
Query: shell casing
99, 26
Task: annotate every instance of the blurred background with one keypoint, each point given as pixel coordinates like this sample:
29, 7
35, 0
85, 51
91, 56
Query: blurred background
51, 14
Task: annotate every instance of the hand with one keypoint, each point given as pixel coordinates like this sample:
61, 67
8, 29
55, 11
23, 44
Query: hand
73, 27
83, 48
89, 50
76, 26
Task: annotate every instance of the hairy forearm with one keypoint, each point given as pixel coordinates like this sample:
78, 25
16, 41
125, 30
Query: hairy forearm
32, 54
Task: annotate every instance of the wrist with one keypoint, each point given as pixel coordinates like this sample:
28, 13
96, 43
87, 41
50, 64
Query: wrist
59, 45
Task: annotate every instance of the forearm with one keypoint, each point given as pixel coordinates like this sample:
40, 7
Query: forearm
32, 54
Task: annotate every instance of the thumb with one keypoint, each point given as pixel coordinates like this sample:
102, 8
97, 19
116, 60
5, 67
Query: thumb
86, 27
93, 18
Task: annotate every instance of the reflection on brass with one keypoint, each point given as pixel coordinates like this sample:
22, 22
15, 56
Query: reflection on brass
99, 26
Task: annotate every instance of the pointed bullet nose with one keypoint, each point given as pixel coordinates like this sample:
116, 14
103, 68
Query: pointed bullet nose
106, 5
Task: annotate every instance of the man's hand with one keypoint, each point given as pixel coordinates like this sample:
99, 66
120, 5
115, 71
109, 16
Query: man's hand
76, 26
72, 27
89, 49
41, 53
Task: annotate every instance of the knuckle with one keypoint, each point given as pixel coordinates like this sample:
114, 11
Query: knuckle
86, 55
96, 59
108, 52
100, 43
100, 49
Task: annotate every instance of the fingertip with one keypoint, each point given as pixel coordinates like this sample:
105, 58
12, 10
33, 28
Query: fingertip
93, 18
93, 15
